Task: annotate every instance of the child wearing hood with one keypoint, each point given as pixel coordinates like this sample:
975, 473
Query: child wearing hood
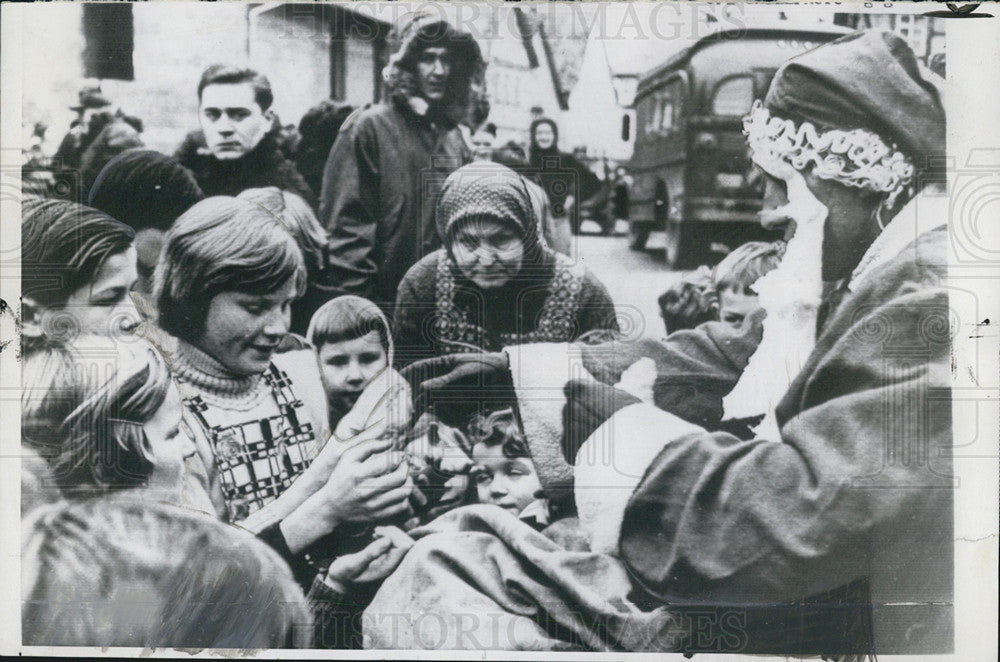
366, 396
352, 338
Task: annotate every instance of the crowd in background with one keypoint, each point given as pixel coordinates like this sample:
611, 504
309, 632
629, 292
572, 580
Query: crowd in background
267, 379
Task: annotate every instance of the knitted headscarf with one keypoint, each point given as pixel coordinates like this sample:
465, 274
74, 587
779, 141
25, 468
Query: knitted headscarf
489, 190
535, 152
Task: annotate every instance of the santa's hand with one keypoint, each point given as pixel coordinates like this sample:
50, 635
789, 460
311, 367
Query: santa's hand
467, 373
455, 370
803, 208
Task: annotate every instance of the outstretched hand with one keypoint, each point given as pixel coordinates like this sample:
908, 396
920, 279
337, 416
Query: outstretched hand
475, 373
374, 563
454, 370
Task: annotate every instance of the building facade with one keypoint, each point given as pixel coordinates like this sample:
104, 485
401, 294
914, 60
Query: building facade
148, 58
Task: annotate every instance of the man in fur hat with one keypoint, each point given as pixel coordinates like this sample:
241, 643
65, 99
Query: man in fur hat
826, 526
390, 160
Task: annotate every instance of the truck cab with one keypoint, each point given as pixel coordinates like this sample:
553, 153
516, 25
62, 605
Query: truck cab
692, 175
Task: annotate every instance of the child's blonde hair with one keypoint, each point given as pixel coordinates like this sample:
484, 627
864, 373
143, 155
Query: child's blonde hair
84, 413
746, 264
125, 572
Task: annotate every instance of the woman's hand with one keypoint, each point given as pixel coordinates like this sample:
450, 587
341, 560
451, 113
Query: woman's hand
369, 483
374, 563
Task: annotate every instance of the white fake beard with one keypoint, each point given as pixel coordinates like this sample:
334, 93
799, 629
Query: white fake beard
791, 295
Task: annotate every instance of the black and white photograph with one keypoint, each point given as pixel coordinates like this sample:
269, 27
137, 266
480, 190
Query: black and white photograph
507, 329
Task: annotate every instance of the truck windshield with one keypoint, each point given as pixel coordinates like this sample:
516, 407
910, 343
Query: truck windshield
733, 96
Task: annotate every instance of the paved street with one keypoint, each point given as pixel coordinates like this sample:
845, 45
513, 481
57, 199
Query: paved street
633, 279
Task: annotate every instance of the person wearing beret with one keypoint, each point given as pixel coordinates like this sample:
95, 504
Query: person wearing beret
825, 527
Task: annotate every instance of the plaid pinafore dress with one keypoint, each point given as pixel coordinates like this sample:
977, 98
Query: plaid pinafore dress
259, 458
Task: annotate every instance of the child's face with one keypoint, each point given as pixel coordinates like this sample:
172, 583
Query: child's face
349, 365
168, 442
243, 331
735, 306
510, 483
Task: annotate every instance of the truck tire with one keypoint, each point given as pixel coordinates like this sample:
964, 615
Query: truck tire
638, 235
672, 245
684, 246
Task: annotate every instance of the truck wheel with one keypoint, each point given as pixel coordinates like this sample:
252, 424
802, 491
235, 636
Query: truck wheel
607, 222
672, 244
638, 235
684, 247
574, 223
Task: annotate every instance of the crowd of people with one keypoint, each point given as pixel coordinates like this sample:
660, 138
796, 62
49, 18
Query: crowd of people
321, 389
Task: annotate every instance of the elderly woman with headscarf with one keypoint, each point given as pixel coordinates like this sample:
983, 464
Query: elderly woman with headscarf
495, 283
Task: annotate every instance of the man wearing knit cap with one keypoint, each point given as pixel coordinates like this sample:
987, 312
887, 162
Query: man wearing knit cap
389, 161
826, 528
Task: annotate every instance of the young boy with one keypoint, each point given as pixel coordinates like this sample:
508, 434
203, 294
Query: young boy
736, 274
689, 302
352, 338
503, 472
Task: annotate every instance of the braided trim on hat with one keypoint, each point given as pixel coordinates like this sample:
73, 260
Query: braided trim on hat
856, 158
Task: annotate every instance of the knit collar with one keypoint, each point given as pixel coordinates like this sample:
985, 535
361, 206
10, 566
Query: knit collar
206, 374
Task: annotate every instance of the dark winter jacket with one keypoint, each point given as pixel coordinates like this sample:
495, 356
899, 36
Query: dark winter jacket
115, 138
384, 174
264, 165
560, 175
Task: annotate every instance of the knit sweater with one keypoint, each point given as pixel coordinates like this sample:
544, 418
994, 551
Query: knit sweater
255, 434
561, 303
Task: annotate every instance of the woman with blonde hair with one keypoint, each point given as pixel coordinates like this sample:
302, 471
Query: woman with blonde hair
252, 392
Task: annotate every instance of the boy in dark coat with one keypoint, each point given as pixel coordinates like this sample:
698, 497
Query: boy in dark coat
238, 147
388, 164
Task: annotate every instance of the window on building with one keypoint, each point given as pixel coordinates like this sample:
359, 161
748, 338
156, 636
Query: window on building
108, 40
654, 120
626, 127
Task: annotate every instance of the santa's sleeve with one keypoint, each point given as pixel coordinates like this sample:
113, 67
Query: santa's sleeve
716, 518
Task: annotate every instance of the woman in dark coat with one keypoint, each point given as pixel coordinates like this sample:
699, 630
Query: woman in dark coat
566, 180
495, 282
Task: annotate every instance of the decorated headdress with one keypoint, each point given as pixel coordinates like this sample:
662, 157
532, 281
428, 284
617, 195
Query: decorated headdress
859, 111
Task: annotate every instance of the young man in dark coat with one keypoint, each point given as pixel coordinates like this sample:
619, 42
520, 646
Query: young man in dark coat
828, 529
238, 146
387, 166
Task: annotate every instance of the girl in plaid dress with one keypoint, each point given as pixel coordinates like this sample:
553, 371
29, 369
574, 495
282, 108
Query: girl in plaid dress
252, 392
